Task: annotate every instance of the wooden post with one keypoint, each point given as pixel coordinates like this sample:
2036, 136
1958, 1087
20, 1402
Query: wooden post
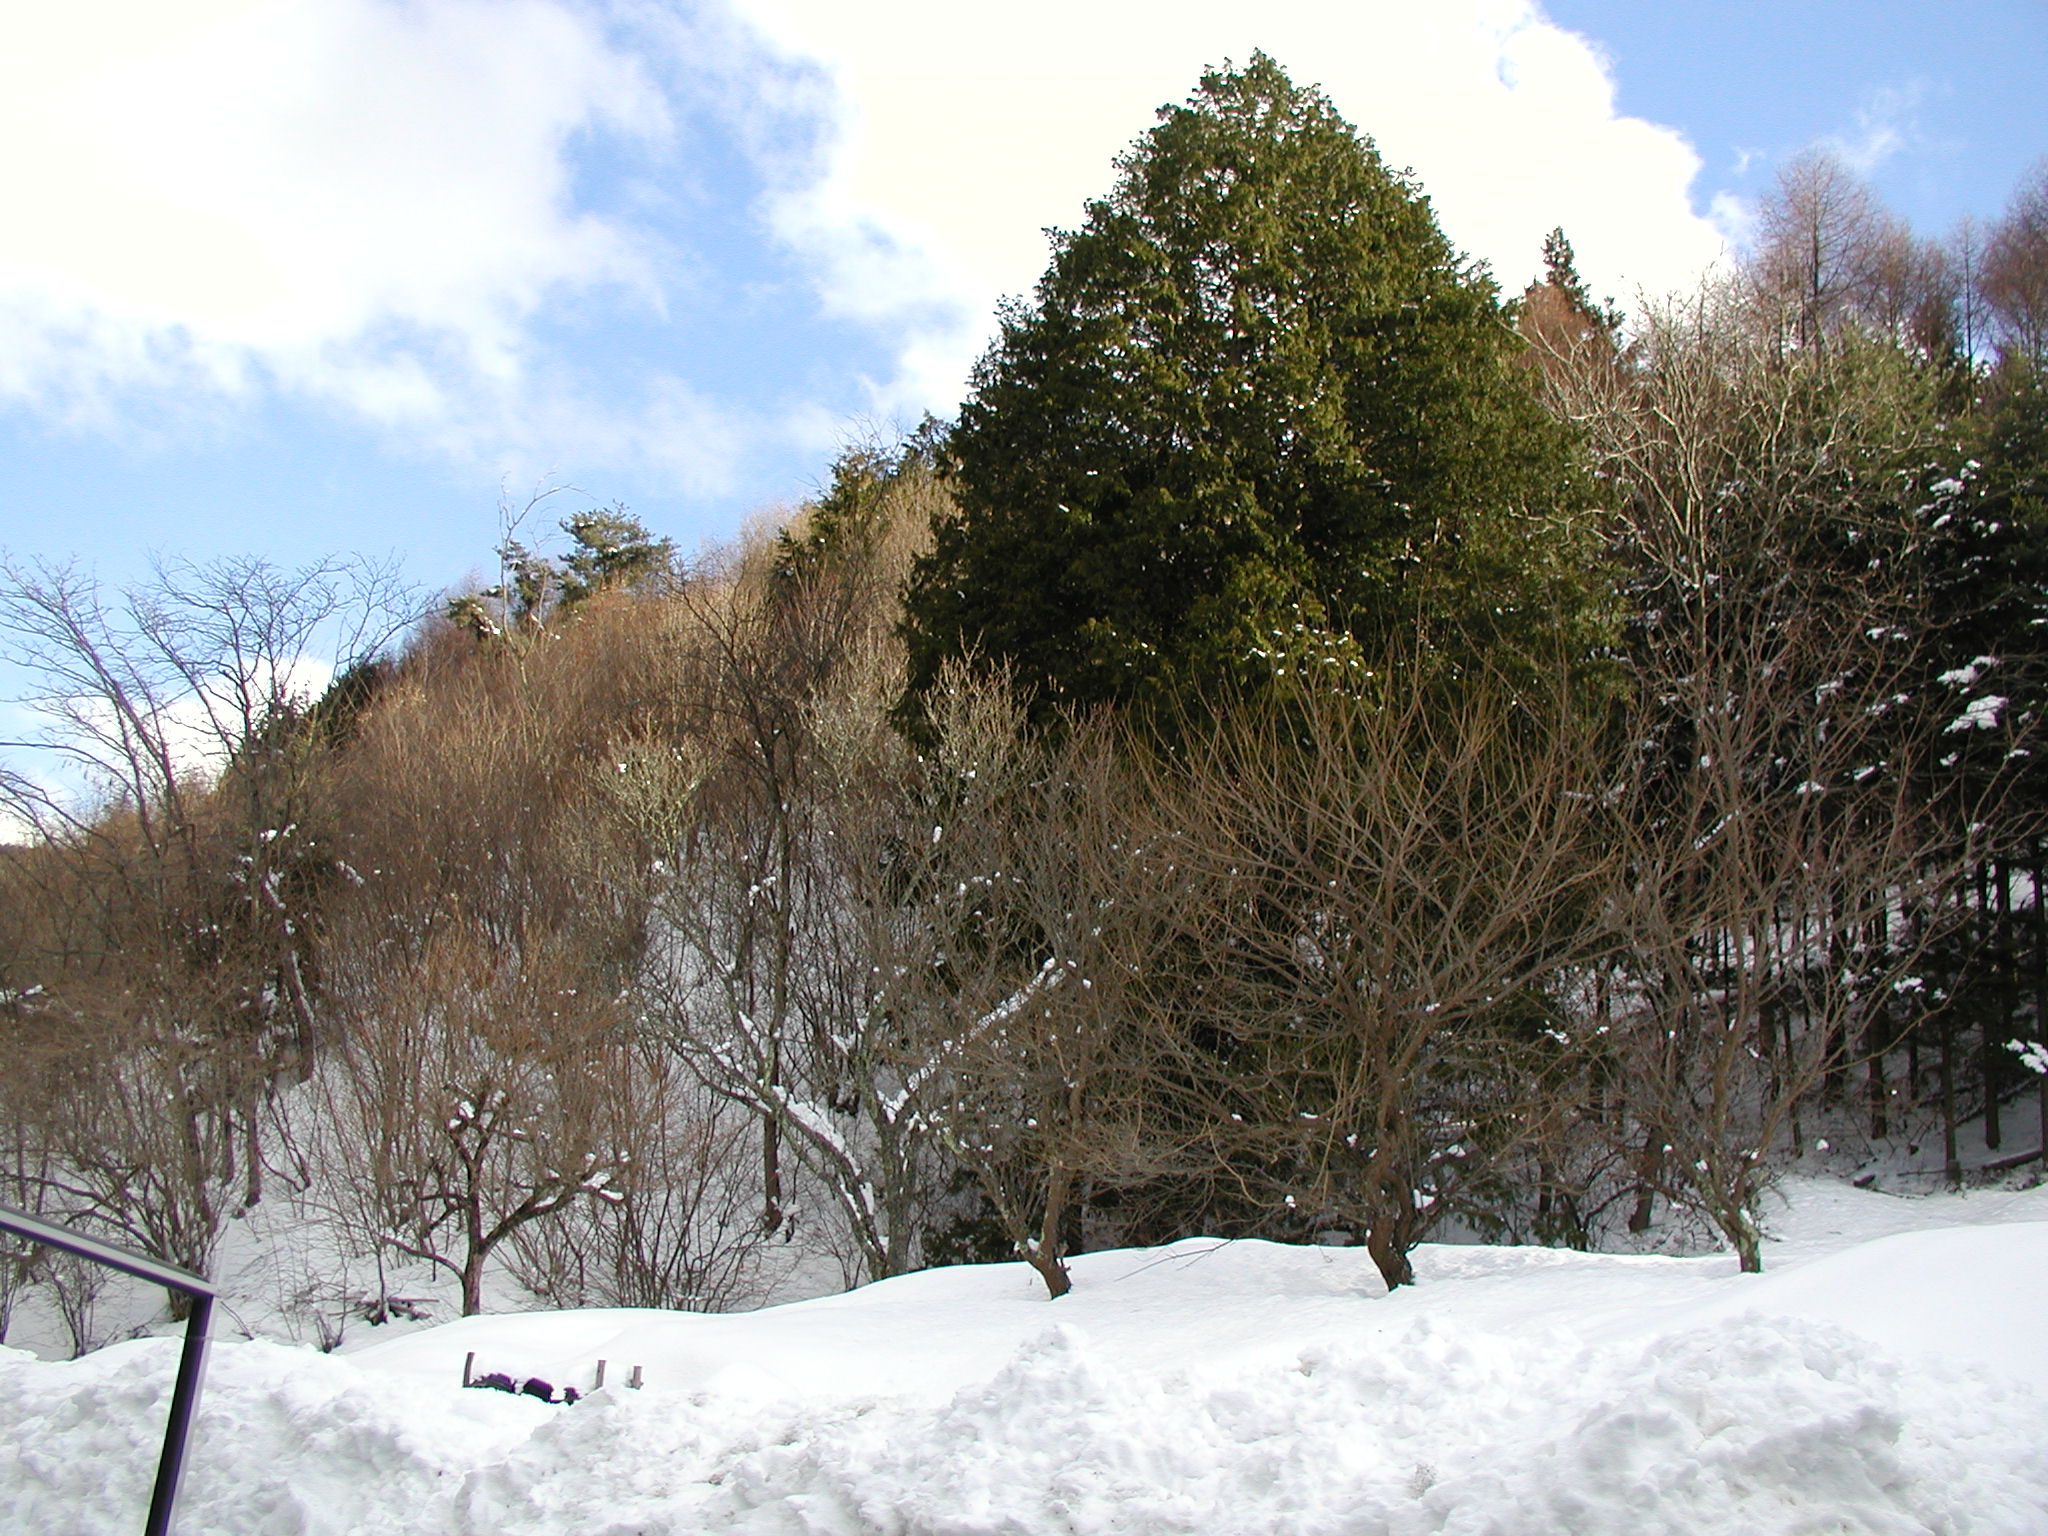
634, 1379
468, 1365
598, 1385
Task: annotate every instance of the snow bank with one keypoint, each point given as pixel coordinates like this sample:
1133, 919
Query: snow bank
1877, 1384
288, 1441
1965, 1295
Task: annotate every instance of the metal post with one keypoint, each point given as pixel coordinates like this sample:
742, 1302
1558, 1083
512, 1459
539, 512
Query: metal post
184, 1406
191, 1364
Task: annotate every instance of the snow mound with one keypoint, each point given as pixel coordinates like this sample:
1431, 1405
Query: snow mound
1884, 1387
288, 1441
1758, 1430
1965, 1294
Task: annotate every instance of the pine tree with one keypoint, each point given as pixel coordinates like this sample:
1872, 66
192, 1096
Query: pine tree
1260, 418
1574, 339
860, 506
612, 549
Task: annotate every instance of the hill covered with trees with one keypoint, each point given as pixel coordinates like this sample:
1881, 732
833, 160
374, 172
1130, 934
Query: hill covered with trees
1316, 751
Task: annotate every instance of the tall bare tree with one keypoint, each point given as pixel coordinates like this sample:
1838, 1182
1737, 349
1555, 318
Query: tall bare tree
1397, 885
1794, 834
484, 941
1828, 252
683, 1230
475, 1100
178, 857
2015, 283
771, 807
1027, 923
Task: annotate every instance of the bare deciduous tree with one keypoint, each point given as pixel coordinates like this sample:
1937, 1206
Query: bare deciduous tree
773, 808
1781, 888
480, 1100
1791, 839
483, 942
1827, 250
1028, 926
177, 858
2015, 281
1396, 885
686, 1232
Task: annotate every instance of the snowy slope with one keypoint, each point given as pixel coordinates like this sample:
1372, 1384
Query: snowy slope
1881, 1377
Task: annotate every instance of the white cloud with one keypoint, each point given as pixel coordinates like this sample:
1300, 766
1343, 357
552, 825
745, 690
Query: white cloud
692, 441
357, 199
376, 204
1736, 217
1886, 122
963, 130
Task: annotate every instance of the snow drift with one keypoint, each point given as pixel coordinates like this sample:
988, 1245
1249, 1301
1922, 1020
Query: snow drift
1877, 1380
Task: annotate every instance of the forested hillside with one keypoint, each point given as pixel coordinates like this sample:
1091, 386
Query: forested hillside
1317, 750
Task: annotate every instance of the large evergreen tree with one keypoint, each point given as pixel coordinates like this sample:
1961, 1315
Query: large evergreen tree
1260, 416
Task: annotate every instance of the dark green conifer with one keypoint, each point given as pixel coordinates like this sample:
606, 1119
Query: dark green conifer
611, 548
1260, 418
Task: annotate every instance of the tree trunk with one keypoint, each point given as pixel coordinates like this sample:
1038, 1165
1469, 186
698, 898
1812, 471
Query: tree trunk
2040, 913
1047, 1254
1743, 1237
2008, 1003
1877, 1041
1647, 1168
1835, 1033
771, 1175
305, 1023
1951, 1160
1389, 1254
252, 1163
474, 1249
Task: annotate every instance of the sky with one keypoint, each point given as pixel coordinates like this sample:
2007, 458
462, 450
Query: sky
291, 278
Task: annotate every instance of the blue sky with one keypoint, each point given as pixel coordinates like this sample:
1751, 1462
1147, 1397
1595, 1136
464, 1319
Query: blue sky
297, 277
1941, 106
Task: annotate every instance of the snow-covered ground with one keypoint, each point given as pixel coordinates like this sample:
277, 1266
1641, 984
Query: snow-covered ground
1886, 1375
